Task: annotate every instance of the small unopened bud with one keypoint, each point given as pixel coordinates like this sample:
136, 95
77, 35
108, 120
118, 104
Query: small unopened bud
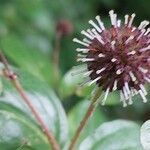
64, 27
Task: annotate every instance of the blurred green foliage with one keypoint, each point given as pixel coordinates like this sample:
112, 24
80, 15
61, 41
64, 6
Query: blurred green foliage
27, 37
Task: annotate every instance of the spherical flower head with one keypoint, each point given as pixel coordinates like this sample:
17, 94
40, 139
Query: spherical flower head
117, 58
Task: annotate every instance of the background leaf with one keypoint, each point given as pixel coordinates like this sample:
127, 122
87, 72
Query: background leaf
45, 101
145, 135
114, 135
18, 131
71, 84
30, 60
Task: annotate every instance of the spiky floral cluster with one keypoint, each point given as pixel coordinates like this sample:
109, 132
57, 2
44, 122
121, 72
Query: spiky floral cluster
117, 58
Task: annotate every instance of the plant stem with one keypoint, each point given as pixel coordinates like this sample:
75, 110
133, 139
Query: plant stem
56, 55
15, 82
84, 121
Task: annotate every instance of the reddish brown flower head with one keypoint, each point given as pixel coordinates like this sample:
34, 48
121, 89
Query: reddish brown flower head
117, 58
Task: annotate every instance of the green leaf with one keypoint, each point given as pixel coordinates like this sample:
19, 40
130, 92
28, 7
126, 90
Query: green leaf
114, 135
77, 114
18, 131
70, 84
45, 101
31, 60
145, 135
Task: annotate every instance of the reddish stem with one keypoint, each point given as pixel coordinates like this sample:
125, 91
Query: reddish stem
14, 80
84, 122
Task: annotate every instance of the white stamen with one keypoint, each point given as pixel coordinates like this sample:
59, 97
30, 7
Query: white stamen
101, 24
95, 26
80, 42
143, 96
118, 72
143, 70
115, 85
85, 59
87, 41
132, 92
123, 99
113, 45
133, 78
113, 59
98, 36
143, 24
146, 23
119, 23
90, 32
147, 32
87, 34
88, 73
101, 70
136, 92
101, 55
84, 50
147, 79
125, 93
115, 20
106, 95
131, 53
142, 32
82, 56
93, 81
130, 100
112, 17
145, 49
131, 20
143, 89
126, 19
129, 39
133, 29
127, 88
